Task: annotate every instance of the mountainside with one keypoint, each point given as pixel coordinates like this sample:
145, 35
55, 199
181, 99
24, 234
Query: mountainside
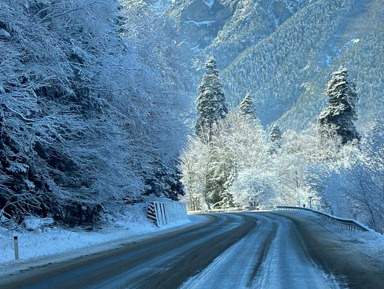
200, 21
227, 27
287, 71
357, 45
283, 52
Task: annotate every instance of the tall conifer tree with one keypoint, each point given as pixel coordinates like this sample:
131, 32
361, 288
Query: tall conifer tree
275, 135
339, 115
210, 102
246, 106
275, 138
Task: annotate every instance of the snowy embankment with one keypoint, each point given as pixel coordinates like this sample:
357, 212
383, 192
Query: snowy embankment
55, 244
368, 244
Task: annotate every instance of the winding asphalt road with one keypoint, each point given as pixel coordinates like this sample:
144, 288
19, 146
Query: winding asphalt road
242, 250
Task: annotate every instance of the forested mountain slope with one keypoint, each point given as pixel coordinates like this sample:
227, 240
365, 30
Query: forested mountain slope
287, 71
227, 27
283, 52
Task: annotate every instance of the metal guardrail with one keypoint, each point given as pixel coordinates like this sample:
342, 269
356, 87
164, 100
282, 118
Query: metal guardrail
342, 222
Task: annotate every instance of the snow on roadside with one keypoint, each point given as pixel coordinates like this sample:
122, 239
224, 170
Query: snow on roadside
57, 244
368, 243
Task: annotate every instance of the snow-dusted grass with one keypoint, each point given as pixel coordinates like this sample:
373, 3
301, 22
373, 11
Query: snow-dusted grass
37, 247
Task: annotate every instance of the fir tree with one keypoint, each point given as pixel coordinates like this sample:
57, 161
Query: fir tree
246, 106
210, 102
337, 119
275, 135
275, 138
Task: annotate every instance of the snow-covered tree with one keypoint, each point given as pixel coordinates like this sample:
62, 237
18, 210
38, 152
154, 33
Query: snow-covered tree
298, 151
81, 128
275, 137
254, 187
221, 170
363, 181
245, 140
275, 134
194, 165
339, 115
247, 107
240, 145
210, 102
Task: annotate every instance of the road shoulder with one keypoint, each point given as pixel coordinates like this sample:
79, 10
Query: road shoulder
16, 266
352, 256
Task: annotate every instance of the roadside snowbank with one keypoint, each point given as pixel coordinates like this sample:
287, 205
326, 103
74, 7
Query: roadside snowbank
57, 244
368, 243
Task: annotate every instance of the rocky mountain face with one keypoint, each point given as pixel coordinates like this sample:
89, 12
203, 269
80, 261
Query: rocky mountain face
201, 21
227, 27
284, 51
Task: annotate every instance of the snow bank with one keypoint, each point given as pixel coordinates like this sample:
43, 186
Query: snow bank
33, 223
119, 228
367, 243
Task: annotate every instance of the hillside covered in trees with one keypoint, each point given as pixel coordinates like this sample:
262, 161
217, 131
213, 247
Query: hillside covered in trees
282, 52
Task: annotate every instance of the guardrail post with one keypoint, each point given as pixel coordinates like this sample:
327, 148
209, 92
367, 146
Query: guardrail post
16, 247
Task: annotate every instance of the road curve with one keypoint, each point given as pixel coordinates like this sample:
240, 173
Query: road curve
242, 250
271, 256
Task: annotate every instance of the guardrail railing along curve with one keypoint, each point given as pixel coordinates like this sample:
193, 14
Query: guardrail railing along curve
348, 223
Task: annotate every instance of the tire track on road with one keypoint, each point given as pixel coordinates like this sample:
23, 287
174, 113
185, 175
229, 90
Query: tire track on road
198, 258
263, 253
288, 264
235, 267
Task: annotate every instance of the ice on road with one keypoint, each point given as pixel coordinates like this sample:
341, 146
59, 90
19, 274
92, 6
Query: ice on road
272, 255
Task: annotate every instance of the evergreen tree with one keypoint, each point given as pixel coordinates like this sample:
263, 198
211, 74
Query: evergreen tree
275, 137
246, 106
210, 102
337, 119
221, 170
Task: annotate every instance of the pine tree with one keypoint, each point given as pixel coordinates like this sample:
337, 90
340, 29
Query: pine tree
337, 119
275, 137
210, 102
246, 106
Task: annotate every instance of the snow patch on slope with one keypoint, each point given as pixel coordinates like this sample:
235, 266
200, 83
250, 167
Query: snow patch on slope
209, 3
200, 23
